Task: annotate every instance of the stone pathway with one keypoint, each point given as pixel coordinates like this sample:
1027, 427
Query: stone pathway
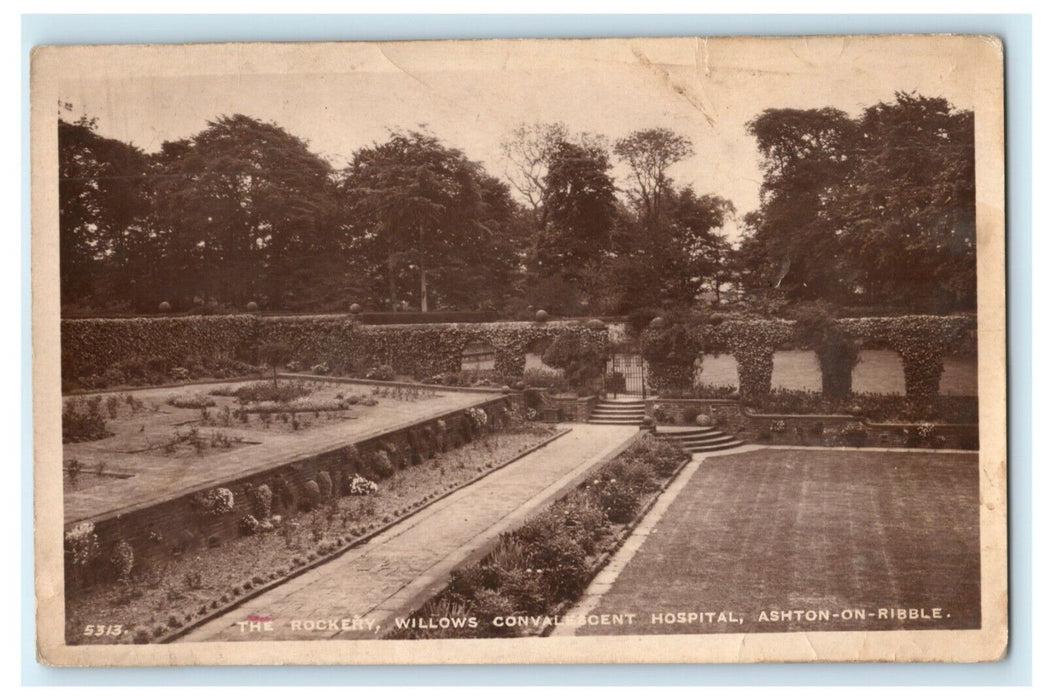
360, 594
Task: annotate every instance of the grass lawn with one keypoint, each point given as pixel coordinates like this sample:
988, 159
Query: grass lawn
837, 531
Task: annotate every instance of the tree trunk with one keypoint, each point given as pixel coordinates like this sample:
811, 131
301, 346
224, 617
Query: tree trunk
424, 292
391, 266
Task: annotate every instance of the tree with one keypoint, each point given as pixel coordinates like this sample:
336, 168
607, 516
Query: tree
424, 211
908, 205
649, 153
102, 199
581, 209
529, 148
875, 209
247, 207
274, 355
792, 241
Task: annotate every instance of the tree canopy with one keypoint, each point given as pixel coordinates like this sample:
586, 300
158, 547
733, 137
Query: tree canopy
873, 209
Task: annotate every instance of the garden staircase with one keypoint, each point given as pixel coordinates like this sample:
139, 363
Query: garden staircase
699, 439
618, 412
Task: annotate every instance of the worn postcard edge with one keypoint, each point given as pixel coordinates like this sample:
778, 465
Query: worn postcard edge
51, 65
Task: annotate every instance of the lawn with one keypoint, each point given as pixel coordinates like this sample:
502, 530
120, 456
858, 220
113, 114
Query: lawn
793, 530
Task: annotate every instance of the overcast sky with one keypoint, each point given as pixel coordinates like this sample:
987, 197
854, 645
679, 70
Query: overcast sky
471, 94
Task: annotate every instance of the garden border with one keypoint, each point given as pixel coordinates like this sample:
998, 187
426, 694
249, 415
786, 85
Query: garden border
605, 558
362, 539
417, 601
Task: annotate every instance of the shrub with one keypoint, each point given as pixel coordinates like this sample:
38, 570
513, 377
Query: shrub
122, 560
83, 420
262, 501
619, 500
258, 392
274, 355
582, 359
217, 501
381, 464
359, 486
326, 486
81, 545
191, 400
310, 495
249, 525
544, 378
690, 414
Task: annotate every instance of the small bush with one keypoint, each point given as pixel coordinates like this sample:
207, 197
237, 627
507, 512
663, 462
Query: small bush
191, 400
381, 464
326, 486
83, 420
262, 501
310, 495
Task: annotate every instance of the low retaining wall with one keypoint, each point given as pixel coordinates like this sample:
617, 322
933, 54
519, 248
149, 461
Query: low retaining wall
175, 527
573, 409
809, 429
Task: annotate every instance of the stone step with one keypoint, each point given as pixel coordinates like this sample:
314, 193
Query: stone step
716, 448
698, 442
616, 421
687, 432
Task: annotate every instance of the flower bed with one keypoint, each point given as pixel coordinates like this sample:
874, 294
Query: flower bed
546, 564
163, 600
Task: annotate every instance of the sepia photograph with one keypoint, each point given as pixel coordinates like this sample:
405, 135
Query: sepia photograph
612, 350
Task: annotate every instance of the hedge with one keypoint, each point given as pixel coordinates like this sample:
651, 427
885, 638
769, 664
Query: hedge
92, 346
921, 342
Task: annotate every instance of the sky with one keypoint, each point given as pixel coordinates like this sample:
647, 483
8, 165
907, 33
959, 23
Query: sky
339, 97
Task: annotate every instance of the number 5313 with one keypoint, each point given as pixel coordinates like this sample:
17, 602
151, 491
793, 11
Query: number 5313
103, 630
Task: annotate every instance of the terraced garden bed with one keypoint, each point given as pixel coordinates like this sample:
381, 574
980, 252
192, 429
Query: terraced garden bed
158, 602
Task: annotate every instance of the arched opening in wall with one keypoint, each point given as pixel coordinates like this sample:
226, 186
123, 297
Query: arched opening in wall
796, 370
879, 372
715, 373
477, 360
960, 376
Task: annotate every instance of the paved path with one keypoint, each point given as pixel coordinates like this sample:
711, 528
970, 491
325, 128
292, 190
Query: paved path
404, 566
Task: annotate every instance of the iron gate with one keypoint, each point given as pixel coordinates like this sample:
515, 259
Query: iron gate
625, 373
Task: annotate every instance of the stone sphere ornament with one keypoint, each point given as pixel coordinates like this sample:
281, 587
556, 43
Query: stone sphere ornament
165, 306
355, 308
541, 315
703, 420
595, 324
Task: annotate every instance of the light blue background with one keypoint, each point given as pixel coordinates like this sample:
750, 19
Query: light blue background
1015, 30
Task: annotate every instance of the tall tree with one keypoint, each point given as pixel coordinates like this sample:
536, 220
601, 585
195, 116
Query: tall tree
793, 239
529, 149
248, 206
423, 205
649, 153
102, 199
909, 204
581, 209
